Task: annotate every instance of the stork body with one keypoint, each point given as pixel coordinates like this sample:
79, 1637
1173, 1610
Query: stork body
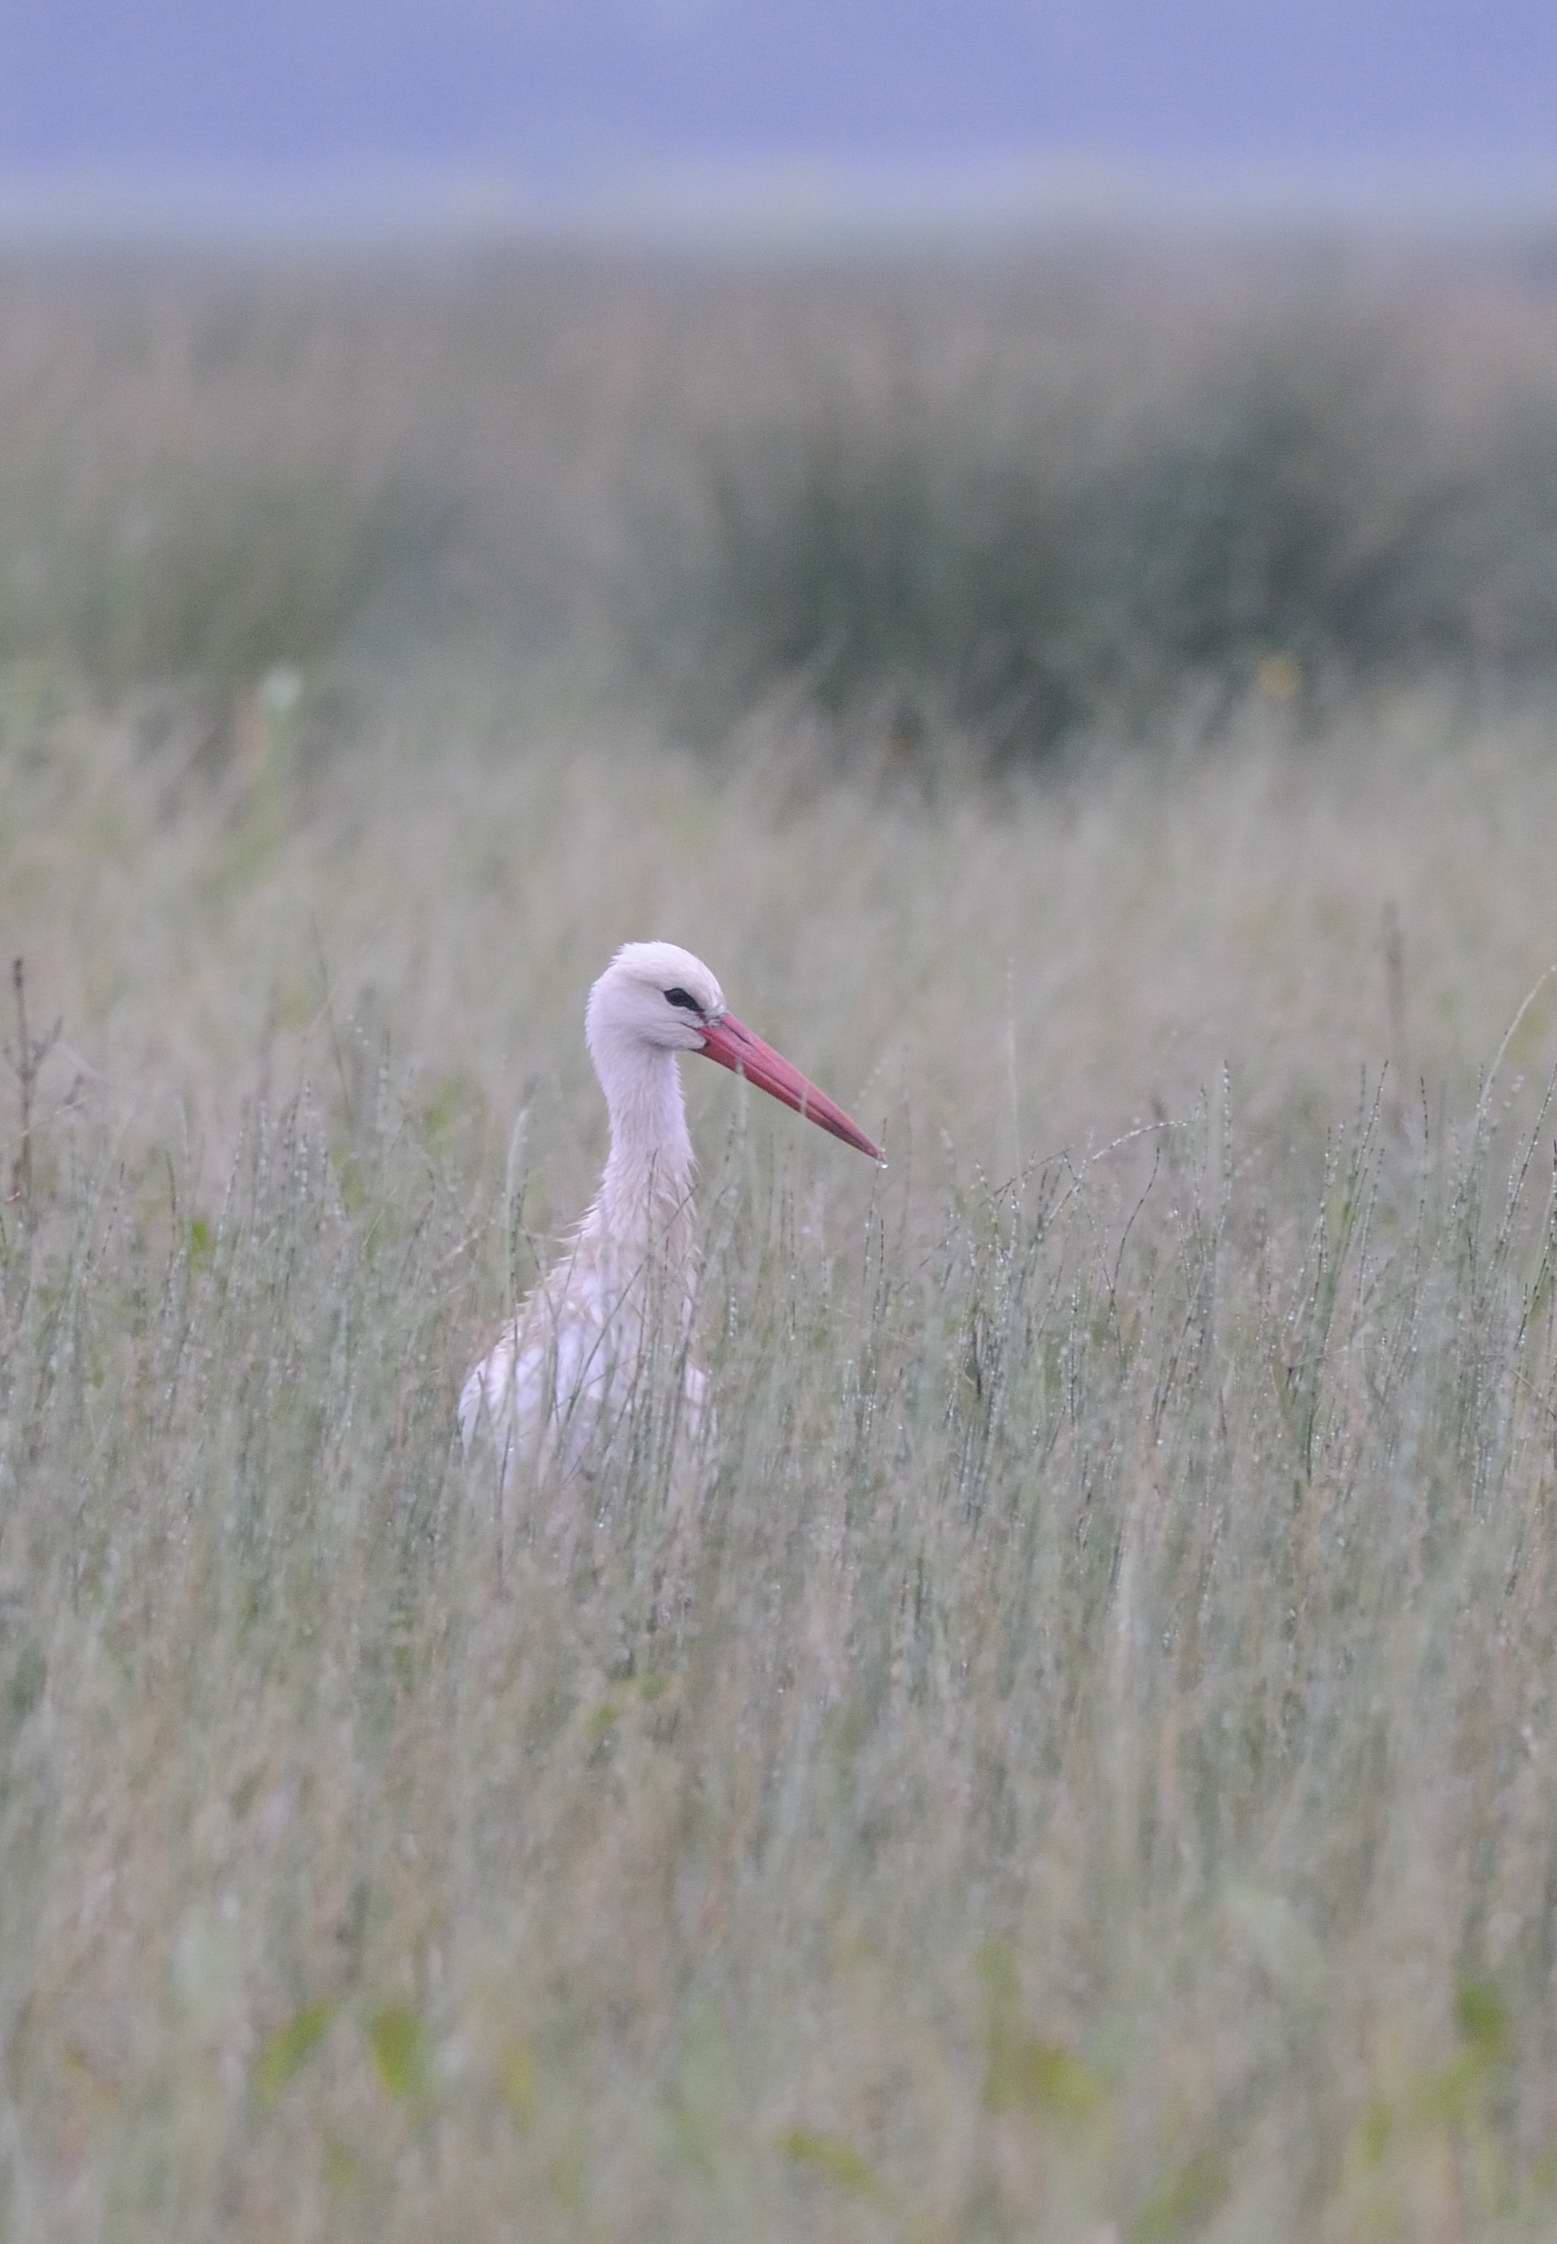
564, 1377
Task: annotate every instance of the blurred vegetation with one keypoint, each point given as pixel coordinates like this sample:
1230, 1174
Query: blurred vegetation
209, 575
1290, 517
1032, 499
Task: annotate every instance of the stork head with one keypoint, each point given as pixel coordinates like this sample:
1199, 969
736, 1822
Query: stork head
660, 996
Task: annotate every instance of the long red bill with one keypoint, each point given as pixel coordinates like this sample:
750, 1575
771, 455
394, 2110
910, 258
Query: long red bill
733, 1045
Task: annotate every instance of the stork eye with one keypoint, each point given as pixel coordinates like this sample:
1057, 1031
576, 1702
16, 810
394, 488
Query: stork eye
682, 997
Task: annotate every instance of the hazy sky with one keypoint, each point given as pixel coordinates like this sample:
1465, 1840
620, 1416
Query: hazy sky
550, 90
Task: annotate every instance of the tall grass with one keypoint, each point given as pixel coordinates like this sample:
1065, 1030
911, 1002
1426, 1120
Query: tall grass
1028, 500
1085, 1768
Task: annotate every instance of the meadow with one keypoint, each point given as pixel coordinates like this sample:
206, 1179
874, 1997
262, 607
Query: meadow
1086, 1771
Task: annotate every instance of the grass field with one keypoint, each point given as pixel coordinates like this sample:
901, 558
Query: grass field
1021, 499
1088, 1772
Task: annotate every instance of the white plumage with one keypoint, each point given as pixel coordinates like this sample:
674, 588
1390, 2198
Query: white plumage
567, 1374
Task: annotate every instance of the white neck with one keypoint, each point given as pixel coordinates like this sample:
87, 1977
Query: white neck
645, 1194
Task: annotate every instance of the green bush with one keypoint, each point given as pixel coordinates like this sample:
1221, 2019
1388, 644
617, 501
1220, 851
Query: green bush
1289, 515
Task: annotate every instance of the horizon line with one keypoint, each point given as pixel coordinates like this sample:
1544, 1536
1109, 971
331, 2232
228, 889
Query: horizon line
779, 200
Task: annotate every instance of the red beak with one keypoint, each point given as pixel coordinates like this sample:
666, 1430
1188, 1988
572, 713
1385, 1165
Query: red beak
733, 1045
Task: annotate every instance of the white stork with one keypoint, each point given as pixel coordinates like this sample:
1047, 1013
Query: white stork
563, 1374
